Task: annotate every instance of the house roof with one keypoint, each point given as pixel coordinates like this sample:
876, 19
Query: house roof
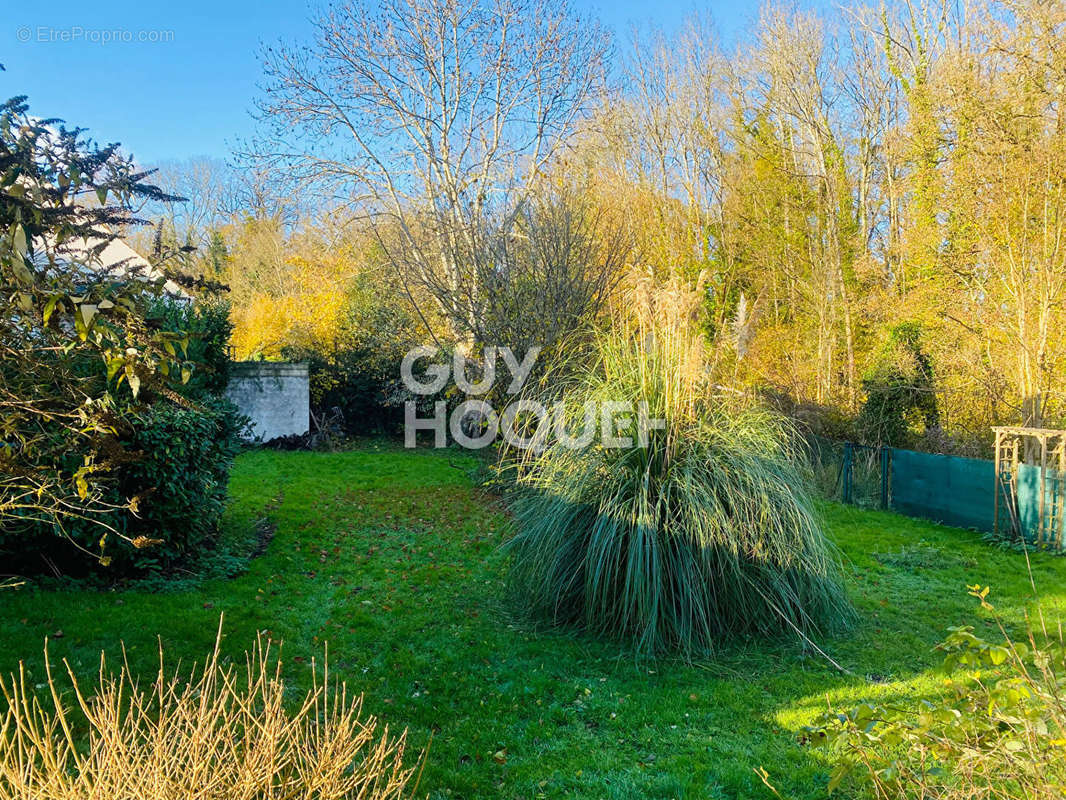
116, 258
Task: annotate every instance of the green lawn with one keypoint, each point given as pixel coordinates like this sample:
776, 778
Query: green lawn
393, 558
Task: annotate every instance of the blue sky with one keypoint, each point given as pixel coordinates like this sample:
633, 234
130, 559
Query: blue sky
189, 93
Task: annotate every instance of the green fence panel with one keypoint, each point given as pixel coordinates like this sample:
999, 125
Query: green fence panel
948, 489
1027, 491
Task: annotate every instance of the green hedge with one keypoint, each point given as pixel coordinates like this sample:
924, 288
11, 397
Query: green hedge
176, 460
182, 473
170, 450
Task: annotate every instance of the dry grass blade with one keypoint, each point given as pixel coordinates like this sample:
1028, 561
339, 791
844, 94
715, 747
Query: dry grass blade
217, 733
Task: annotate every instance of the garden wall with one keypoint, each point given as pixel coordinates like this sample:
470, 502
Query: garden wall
274, 395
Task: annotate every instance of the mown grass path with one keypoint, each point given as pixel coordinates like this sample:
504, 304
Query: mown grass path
393, 558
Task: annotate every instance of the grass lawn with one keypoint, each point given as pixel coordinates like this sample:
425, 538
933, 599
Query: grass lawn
393, 558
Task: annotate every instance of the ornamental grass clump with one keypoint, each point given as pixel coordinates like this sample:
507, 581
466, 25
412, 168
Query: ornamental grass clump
217, 733
707, 533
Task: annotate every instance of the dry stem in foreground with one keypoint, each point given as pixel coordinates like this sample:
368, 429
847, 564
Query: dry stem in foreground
222, 733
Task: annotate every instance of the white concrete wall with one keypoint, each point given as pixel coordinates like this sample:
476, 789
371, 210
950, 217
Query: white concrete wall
274, 394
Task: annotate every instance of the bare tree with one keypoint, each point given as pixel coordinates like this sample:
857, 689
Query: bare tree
204, 186
433, 116
547, 270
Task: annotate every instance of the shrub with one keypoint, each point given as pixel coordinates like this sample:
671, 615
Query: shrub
220, 733
174, 470
707, 533
181, 472
997, 730
208, 327
900, 391
812, 420
93, 361
76, 348
180, 454
167, 459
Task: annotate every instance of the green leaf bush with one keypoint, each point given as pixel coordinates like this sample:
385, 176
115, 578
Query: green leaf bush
113, 441
997, 730
181, 472
168, 463
209, 328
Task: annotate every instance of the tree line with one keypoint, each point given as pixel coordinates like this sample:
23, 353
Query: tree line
872, 205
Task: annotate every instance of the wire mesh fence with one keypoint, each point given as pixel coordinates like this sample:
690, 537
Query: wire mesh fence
850, 473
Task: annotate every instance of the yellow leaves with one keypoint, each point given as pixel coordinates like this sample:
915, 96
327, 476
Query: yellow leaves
88, 312
133, 379
82, 485
84, 318
20, 244
308, 316
290, 289
260, 326
22, 272
981, 593
54, 303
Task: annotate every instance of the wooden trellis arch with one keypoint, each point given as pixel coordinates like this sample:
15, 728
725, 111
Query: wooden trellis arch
1038, 454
